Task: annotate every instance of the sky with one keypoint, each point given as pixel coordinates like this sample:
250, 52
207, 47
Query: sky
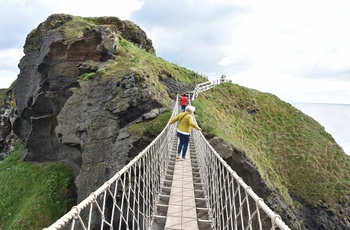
297, 50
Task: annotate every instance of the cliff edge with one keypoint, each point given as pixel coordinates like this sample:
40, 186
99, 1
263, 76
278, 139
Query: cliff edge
86, 83
79, 90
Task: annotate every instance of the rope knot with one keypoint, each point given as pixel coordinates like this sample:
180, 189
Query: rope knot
77, 209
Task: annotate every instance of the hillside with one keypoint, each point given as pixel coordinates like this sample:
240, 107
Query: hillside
292, 152
84, 86
84, 89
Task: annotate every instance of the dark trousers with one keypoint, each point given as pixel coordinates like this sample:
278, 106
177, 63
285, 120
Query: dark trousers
183, 145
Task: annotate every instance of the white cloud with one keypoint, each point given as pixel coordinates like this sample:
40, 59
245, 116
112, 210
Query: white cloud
297, 89
9, 59
298, 50
7, 77
90, 8
286, 37
19, 17
119, 8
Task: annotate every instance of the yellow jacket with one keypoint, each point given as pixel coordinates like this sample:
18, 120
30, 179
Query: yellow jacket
186, 123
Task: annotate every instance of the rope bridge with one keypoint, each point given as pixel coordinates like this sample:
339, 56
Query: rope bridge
131, 199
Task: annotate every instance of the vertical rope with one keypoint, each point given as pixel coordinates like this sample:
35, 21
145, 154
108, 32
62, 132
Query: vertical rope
136, 188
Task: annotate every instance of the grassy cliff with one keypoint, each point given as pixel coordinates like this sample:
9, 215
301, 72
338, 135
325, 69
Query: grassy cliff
292, 151
33, 196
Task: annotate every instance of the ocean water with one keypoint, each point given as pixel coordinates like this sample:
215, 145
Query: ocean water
335, 118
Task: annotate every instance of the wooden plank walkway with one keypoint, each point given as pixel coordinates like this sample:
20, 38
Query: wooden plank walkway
182, 203
182, 207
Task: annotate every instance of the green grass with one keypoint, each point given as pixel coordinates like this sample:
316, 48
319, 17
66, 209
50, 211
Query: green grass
32, 196
87, 76
75, 28
144, 62
292, 151
4, 91
152, 127
149, 70
130, 57
131, 61
2, 95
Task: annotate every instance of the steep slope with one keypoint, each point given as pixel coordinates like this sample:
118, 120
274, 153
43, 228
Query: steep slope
87, 85
83, 85
285, 148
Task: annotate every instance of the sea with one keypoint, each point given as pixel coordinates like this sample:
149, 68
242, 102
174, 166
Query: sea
335, 118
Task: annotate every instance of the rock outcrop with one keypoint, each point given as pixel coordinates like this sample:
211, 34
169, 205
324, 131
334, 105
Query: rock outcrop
7, 117
83, 123
61, 116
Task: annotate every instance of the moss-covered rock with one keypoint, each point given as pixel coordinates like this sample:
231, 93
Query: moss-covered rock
83, 82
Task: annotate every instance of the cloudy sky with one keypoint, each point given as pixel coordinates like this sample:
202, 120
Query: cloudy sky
297, 50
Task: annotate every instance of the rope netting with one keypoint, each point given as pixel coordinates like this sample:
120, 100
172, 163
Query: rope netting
129, 199
232, 203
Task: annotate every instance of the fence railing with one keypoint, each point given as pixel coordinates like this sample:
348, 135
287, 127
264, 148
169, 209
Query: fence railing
206, 86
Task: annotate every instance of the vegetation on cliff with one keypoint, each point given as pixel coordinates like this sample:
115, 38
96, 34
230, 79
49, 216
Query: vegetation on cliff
151, 127
4, 91
32, 195
35, 194
3, 94
131, 58
292, 151
149, 70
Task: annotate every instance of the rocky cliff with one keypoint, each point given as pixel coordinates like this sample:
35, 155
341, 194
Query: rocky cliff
84, 82
76, 96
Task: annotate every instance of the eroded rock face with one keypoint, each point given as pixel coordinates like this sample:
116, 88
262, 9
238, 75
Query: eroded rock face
131, 32
7, 117
48, 72
83, 123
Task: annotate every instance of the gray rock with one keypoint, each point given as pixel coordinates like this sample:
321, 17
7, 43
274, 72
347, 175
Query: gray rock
82, 123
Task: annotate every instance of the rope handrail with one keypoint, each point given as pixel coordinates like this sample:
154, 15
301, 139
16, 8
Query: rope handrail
211, 163
243, 209
143, 175
129, 199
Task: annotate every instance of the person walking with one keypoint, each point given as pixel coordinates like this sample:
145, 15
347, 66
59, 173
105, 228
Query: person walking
184, 129
184, 102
